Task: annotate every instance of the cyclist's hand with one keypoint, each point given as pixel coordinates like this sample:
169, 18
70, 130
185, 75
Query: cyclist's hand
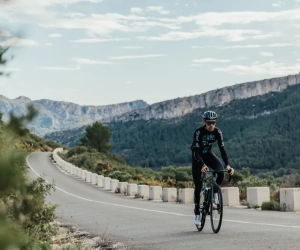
204, 169
230, 169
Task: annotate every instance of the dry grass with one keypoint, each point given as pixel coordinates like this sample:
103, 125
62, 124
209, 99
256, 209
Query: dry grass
71, 238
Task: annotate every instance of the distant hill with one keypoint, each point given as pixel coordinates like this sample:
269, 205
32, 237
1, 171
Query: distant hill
260, 132
181, 106
57, 116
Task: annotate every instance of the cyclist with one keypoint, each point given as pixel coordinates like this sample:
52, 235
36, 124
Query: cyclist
203, 156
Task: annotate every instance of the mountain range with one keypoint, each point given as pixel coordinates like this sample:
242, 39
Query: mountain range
258, 120
59, 115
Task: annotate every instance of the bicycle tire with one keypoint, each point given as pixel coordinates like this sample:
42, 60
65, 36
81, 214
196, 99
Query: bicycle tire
203, 218
218, 208
202, 214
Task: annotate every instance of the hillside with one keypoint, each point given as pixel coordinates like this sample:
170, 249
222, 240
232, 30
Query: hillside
181, 106
57, 116
258, 133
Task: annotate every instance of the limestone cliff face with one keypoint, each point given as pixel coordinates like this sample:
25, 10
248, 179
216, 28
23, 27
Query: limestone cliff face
181, 106
56, 116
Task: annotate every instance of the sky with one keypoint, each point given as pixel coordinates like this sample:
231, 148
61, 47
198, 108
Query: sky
100, 52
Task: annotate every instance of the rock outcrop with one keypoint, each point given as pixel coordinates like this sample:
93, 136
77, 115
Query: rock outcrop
181, 106
57, 116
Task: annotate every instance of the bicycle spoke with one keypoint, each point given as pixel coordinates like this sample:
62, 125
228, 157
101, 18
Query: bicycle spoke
216, 210
202, 214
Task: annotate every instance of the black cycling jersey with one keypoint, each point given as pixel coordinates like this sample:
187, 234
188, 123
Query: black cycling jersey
203, 141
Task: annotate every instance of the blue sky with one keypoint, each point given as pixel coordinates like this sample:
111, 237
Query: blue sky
99, 52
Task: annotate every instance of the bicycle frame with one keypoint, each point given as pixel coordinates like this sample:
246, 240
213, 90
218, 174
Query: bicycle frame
213, 177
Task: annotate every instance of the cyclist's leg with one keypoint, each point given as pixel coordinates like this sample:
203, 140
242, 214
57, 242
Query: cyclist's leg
215, 163
196, 172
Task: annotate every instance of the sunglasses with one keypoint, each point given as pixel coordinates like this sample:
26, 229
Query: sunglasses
211, 123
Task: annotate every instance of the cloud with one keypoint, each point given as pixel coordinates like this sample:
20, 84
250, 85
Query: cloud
200, 47
243, 17
132, 47
281, 45
99, 40
54, 2
48, 44
243, 46
55, 35
12, 69
39, 12
270, 68
269, 54
136, 56
89, 61
17, 42
74, 14
208, 60
269, 35
59, 68
4, 33
145, 25
35, 11
158, 9
246, 46
135, 10
99, 23
250, 46
229, 35
278, 4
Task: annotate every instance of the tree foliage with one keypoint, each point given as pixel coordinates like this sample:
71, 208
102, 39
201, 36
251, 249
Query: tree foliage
24, 216
3, 59
97, 136
259, 132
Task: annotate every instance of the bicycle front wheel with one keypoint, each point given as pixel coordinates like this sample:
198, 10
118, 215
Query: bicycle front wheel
216, 209
203, 210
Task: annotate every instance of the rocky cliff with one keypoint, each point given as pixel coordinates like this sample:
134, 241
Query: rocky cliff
181, 106
57, 116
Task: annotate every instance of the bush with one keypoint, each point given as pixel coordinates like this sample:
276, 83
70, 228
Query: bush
77, 150
24, 216
270, 205
121, 176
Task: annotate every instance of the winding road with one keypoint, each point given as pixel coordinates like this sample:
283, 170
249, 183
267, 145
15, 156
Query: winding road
141, 224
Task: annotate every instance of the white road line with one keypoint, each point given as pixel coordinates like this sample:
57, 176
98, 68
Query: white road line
156, 211
262, 224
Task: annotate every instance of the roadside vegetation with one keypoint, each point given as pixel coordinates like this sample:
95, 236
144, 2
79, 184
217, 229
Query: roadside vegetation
27, 222
89, 156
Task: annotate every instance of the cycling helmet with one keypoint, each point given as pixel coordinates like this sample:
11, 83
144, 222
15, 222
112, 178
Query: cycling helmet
209, 115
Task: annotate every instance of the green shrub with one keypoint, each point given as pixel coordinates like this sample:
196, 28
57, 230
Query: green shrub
121, 176
270, 205
77, 150
24, 215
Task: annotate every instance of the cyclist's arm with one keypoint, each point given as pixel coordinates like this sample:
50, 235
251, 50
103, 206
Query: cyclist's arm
196, 148
222, 147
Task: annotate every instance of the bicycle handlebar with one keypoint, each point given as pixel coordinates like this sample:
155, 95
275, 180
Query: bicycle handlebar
216, 171
223, 171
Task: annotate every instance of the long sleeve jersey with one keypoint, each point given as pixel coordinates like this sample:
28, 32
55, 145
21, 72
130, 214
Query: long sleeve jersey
203, 141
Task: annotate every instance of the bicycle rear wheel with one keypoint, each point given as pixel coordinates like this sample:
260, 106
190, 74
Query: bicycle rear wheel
216, 209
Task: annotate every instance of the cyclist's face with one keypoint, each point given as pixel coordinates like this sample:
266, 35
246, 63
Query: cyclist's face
210, 125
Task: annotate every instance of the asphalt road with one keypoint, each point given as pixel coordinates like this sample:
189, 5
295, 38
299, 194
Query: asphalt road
141, 224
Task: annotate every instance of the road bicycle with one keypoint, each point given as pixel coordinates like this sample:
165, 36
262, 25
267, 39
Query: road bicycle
212, 201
